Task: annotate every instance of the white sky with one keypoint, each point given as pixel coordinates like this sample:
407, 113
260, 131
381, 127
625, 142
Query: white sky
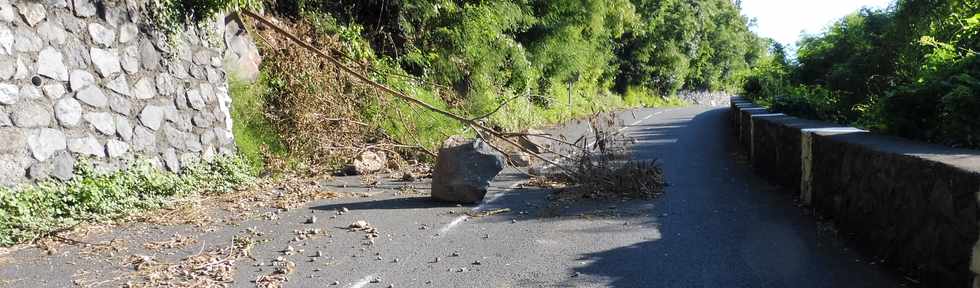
783, 20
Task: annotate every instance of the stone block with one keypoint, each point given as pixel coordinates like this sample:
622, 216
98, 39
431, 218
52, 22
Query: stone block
86, 146
45, 142
31, 115
106, 61
50, 63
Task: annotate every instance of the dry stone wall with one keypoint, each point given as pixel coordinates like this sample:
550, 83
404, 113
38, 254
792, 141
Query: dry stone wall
86, 79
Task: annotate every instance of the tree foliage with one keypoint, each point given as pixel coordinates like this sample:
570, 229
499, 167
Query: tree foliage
538, 48
909, 70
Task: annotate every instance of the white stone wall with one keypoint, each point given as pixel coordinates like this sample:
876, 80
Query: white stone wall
85, 78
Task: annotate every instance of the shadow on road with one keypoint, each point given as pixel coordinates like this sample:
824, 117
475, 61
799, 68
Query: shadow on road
721, 226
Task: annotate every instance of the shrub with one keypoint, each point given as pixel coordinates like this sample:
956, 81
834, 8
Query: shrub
30, 211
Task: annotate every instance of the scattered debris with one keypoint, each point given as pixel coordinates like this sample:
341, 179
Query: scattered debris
280, 273
177, 241
211, 268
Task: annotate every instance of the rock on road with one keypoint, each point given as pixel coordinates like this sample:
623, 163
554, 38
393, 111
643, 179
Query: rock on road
717, 226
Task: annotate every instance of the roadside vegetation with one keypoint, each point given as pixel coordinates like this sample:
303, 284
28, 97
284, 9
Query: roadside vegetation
30, 212
510, 64
910, 70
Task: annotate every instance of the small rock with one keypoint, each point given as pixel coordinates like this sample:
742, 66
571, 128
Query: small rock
311, 220
455, 254
319, 253
369, 162
359, 224
477, 262
335, 283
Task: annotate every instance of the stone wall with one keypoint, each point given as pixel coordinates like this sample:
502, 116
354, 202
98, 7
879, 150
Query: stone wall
84, 78
911, 205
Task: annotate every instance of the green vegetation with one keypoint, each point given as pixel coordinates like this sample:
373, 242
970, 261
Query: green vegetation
30, 211
254, 135
519, 63
910, 70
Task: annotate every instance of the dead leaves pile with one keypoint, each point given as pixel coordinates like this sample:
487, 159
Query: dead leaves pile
212, 268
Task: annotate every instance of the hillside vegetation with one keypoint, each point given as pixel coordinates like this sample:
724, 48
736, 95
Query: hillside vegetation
514, 64
910, 70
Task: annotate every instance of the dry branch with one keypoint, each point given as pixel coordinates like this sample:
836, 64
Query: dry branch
388, 90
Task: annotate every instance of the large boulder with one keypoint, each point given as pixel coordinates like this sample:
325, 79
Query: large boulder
464, 169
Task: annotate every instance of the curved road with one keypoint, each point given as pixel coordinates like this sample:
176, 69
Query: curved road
717, 226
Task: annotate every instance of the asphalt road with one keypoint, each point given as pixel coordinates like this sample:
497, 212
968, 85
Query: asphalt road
716, 226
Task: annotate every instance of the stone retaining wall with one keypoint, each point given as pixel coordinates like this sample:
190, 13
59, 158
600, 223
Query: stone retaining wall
84, 78
910, 204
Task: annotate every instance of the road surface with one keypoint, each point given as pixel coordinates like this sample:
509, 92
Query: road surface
717, 226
